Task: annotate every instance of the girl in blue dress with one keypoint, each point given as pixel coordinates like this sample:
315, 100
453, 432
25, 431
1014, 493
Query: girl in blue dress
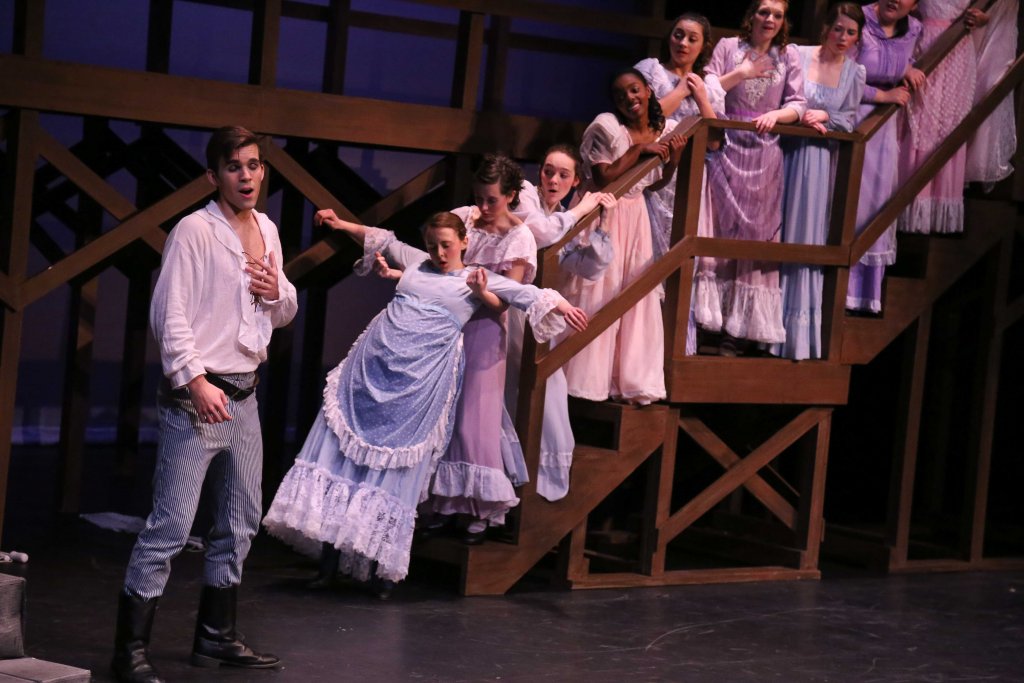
388, 406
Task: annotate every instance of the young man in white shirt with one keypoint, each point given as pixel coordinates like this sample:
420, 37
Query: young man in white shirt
219, 295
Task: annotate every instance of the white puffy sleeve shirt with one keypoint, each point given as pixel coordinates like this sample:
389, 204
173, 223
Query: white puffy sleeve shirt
202, 314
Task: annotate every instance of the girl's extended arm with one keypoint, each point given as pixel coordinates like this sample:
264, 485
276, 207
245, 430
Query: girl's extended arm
327, 217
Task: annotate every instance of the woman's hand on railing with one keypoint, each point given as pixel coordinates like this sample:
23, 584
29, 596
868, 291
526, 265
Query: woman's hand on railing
975, 18
576, 317
658, 148
899, 96
914, 79
816, 119
766, 121
592, 200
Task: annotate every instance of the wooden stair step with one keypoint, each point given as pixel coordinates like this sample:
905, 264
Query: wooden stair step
905, 299
492, 568
719, 379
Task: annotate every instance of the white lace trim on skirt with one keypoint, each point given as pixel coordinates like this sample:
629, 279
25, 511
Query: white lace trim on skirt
931, 215
365, 523
754, 313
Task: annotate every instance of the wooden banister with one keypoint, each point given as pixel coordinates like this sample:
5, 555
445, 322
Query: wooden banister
943, 153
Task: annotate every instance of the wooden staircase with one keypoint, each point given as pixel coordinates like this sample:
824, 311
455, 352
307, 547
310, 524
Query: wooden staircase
783, 473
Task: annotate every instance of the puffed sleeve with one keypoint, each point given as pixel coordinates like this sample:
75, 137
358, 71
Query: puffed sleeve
718, 66
793, 92
546, 229
716, 95
656, 76
845, 116
518, 248
598, 146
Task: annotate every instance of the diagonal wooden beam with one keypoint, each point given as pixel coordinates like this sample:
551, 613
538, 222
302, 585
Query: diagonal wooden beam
1011, 313
88, 181
404, 195
305, 183
303, 265
741, 472
10, 296
98, 189
112, 241
727, 458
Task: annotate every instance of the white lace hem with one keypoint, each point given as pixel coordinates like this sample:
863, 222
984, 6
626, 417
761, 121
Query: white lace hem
365, 523
753, 313
384, 457
466, 480
545, 321
933, 216
707, 302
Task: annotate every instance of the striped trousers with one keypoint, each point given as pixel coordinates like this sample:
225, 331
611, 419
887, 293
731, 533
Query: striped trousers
185, 450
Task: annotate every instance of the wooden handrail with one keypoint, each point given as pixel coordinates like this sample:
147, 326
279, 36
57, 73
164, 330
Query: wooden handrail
943, 153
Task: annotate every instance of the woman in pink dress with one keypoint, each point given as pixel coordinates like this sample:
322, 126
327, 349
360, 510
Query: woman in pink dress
763, 80
472, 479
932, 114
626, 361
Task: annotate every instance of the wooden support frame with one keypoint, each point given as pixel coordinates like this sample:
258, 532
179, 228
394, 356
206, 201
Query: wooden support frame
29, 84
661, 526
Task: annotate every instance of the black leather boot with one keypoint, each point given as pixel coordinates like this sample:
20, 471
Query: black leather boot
329, 556
216, 642
131, 640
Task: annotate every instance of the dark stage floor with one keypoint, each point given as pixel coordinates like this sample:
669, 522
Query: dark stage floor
954, 627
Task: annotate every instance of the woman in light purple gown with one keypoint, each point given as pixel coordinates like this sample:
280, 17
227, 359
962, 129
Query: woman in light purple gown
886, 51
763, 81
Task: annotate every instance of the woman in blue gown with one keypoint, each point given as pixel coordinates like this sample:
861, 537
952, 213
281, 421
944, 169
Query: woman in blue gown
388, 406
833, 85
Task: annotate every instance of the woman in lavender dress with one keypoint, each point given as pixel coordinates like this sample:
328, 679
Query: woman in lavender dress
389, 406
763, 81
886, 51
833, 85
682, 92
